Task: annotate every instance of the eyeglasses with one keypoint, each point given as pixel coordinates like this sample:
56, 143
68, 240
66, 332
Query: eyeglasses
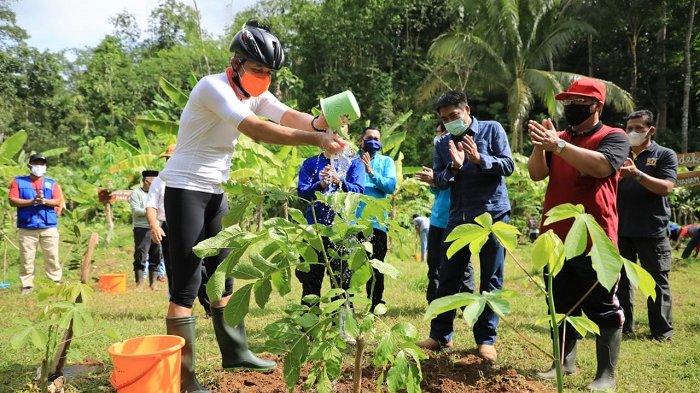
578, 101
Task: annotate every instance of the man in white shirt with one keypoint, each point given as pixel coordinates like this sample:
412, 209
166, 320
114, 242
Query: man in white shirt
219, 108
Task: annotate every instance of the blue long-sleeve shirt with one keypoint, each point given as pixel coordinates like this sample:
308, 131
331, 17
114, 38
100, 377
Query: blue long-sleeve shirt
310, 182
476, 188
380, 184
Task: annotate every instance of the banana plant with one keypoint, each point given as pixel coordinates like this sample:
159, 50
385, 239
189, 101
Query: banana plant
551, 252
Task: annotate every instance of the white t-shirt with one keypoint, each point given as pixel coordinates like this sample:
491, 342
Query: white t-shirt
209, 131
155, 199
423, 223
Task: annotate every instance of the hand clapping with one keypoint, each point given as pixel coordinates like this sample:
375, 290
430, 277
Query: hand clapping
544, 136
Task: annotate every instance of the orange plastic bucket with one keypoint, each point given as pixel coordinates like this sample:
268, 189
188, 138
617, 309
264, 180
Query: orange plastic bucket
146, 364
113, 282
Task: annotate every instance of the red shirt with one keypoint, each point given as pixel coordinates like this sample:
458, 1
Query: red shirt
568, 185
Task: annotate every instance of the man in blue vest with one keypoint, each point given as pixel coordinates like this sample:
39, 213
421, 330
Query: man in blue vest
36, 198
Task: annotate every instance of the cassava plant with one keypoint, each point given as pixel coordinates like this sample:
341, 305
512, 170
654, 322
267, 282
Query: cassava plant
308, 333
551, 253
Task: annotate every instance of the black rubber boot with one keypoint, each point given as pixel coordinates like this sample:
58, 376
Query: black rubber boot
184, 327
138, 275
152, 277
234, 347
568, 366
607, 349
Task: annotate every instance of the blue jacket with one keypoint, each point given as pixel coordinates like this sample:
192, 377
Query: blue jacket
380, 184
440, 212
476, 188
310, 182
36, 216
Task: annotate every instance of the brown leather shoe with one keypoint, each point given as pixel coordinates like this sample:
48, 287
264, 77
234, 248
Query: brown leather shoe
488, 352
433, 345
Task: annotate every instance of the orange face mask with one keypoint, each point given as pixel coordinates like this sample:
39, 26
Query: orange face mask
251, 83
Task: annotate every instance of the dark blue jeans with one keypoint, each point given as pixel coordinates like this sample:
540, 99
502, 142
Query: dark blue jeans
451, 281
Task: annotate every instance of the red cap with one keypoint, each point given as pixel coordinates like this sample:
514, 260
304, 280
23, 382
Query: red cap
584, 87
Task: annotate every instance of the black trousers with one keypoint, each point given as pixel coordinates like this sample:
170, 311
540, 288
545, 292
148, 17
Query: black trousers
193, 216
435, 257
145, 252
571, 284
375, 286
654, 254
312, 281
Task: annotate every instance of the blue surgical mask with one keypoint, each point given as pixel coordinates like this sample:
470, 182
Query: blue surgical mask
371, 146
456, 127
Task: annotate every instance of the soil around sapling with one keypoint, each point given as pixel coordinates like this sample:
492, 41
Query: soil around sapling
451, 372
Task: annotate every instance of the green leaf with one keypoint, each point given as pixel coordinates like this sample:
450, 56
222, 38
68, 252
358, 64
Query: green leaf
295, 358
498, 302
297, 216
213, 245
605, 258
245, 271
307, 320
506, 234
406, 331
396, 377
159, 126
175, 94
448, 303
262, 290
238, 305
351, 326
331, 307
12, 145
472, 311
360, 278
577, 238
324, 384
485, 220
468, 234
217, 282
563, 212
357, 258
548, 250
380, 309
281, 282
583, 325
640, 278
384, 352
385, 268
54, 152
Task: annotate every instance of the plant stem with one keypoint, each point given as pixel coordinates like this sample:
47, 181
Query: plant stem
555, 335
357, 375
582, 299
517, 262
525, 338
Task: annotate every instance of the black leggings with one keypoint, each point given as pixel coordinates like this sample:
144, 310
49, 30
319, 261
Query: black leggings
192, 216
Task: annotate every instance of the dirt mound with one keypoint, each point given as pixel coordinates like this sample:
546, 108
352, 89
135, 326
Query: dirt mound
442, 373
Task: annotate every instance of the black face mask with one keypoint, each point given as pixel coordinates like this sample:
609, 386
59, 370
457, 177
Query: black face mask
577, 114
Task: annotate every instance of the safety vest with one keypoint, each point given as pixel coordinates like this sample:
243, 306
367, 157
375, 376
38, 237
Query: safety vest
568, 185
36, 216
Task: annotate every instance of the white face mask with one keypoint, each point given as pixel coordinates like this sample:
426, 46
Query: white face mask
637, 138
37, 170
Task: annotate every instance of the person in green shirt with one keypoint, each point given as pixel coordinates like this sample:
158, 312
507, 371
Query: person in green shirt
145, 251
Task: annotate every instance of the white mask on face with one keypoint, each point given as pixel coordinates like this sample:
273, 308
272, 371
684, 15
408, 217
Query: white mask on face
637, 138
37, 170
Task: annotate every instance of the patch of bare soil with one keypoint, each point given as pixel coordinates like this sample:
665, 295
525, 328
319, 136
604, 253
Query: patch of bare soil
442, 373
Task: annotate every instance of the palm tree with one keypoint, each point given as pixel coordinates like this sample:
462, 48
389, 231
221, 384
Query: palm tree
510, 49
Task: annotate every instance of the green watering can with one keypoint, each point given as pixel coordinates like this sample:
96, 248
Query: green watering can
340, 108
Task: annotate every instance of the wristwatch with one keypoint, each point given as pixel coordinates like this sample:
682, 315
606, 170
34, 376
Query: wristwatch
561, 144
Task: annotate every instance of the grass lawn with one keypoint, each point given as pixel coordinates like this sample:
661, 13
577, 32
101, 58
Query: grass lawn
645, 366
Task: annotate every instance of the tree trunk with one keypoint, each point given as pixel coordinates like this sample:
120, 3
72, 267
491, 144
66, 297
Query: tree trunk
110, 222
590, 55
687, 82
633, 51
662, 91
